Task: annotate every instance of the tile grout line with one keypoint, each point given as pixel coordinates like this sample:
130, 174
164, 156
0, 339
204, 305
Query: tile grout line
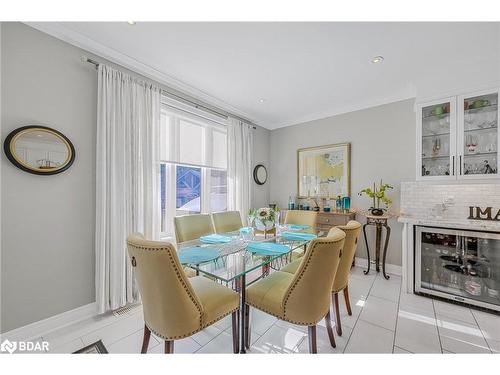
209, 341
482, 333
397, 319
437, 325
356, 322
115, 320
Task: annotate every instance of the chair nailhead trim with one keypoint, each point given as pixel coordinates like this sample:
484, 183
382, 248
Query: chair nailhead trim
290, 290
184, 285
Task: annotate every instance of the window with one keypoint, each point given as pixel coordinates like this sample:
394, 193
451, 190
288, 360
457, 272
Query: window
188, 188
193, 170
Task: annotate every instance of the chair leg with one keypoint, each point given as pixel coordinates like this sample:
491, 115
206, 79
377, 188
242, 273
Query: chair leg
337, 313
145, 340
236, 346
169, 347
347, 302
313, 349
329, 328
248, 331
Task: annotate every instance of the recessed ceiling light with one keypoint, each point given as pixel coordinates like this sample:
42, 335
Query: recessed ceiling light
377, 59
131, 22
262, 100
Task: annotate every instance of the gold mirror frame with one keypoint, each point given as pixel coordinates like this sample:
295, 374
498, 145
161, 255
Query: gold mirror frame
10, 152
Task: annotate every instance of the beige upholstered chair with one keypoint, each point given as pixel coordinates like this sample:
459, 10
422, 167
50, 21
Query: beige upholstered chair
352, 230
227, 221
175, 306
191, 227
302, 217
341, 283
302, 298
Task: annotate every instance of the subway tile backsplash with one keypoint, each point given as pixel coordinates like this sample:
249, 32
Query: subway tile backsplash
420, 199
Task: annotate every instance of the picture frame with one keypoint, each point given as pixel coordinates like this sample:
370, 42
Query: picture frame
324, 171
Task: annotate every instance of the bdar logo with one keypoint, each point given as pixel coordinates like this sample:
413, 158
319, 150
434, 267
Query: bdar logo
8, 346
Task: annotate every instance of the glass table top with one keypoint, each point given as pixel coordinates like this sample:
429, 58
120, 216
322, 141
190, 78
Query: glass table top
235, 260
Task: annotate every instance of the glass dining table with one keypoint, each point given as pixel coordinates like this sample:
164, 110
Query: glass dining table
237, 267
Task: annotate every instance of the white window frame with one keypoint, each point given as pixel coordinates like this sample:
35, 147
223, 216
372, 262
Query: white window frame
173, 156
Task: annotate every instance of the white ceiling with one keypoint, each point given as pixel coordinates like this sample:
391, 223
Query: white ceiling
304, 71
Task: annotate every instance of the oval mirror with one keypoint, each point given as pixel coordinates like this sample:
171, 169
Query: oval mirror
39, 150
260, 174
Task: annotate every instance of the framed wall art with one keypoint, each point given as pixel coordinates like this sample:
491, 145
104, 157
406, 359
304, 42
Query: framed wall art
324, 171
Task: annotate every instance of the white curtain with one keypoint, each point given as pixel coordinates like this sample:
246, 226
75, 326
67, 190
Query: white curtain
239, 166
127, 180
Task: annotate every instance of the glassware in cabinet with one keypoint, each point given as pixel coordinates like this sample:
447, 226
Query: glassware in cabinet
436, 139
479, 137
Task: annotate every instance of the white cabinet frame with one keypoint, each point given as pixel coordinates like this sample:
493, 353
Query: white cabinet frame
453, 135
460, 139
456, 138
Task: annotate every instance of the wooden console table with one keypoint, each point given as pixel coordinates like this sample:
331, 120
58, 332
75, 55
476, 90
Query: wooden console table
327, 220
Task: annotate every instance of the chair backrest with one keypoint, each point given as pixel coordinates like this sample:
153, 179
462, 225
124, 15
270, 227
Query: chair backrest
352, 230
191, 227
227, 221
171, 307
308, 297
302, 217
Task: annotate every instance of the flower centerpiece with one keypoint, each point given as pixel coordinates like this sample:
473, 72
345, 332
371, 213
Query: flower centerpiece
263, 219
378, 195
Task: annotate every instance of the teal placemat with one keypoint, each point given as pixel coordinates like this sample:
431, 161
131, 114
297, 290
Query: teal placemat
267, 248
246, 230
197, 255
293, 236
299, 226
215, 238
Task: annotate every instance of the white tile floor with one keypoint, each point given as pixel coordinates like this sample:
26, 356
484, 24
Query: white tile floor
384, 320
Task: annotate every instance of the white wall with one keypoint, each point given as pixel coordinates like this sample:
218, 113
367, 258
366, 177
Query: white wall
382, 146
260, 193
47, 222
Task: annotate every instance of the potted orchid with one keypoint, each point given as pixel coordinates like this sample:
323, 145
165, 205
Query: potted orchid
263, 219
378, 195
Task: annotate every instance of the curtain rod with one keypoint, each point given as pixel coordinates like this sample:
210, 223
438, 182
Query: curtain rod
196, 105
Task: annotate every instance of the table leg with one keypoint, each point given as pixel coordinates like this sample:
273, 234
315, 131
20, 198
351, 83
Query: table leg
387, 236
378, 239
367, 249
242, 314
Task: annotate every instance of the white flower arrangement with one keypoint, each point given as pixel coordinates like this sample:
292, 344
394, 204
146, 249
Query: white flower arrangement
263, 218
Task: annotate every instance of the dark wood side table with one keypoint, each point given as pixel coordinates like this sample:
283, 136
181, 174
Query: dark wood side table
378, 222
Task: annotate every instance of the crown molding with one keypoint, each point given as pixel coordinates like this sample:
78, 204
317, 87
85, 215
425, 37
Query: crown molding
59, 31
404, 95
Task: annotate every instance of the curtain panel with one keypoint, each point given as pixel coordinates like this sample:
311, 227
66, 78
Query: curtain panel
239, 166
127, 180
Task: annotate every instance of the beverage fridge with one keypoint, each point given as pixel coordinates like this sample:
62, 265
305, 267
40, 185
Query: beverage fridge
459, 265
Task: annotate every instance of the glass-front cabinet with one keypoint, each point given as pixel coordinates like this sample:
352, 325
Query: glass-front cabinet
459, 265
458, 138
437, 139
478, 129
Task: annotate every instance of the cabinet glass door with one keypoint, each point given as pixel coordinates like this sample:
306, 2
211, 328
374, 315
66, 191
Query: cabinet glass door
436, 140
479, 139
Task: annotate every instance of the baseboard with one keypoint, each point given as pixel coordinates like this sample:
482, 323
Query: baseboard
389, 268
37, 329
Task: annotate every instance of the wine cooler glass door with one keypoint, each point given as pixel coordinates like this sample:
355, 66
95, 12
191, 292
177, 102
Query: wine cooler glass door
460, 265
437, 140
482, 277
478, 140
